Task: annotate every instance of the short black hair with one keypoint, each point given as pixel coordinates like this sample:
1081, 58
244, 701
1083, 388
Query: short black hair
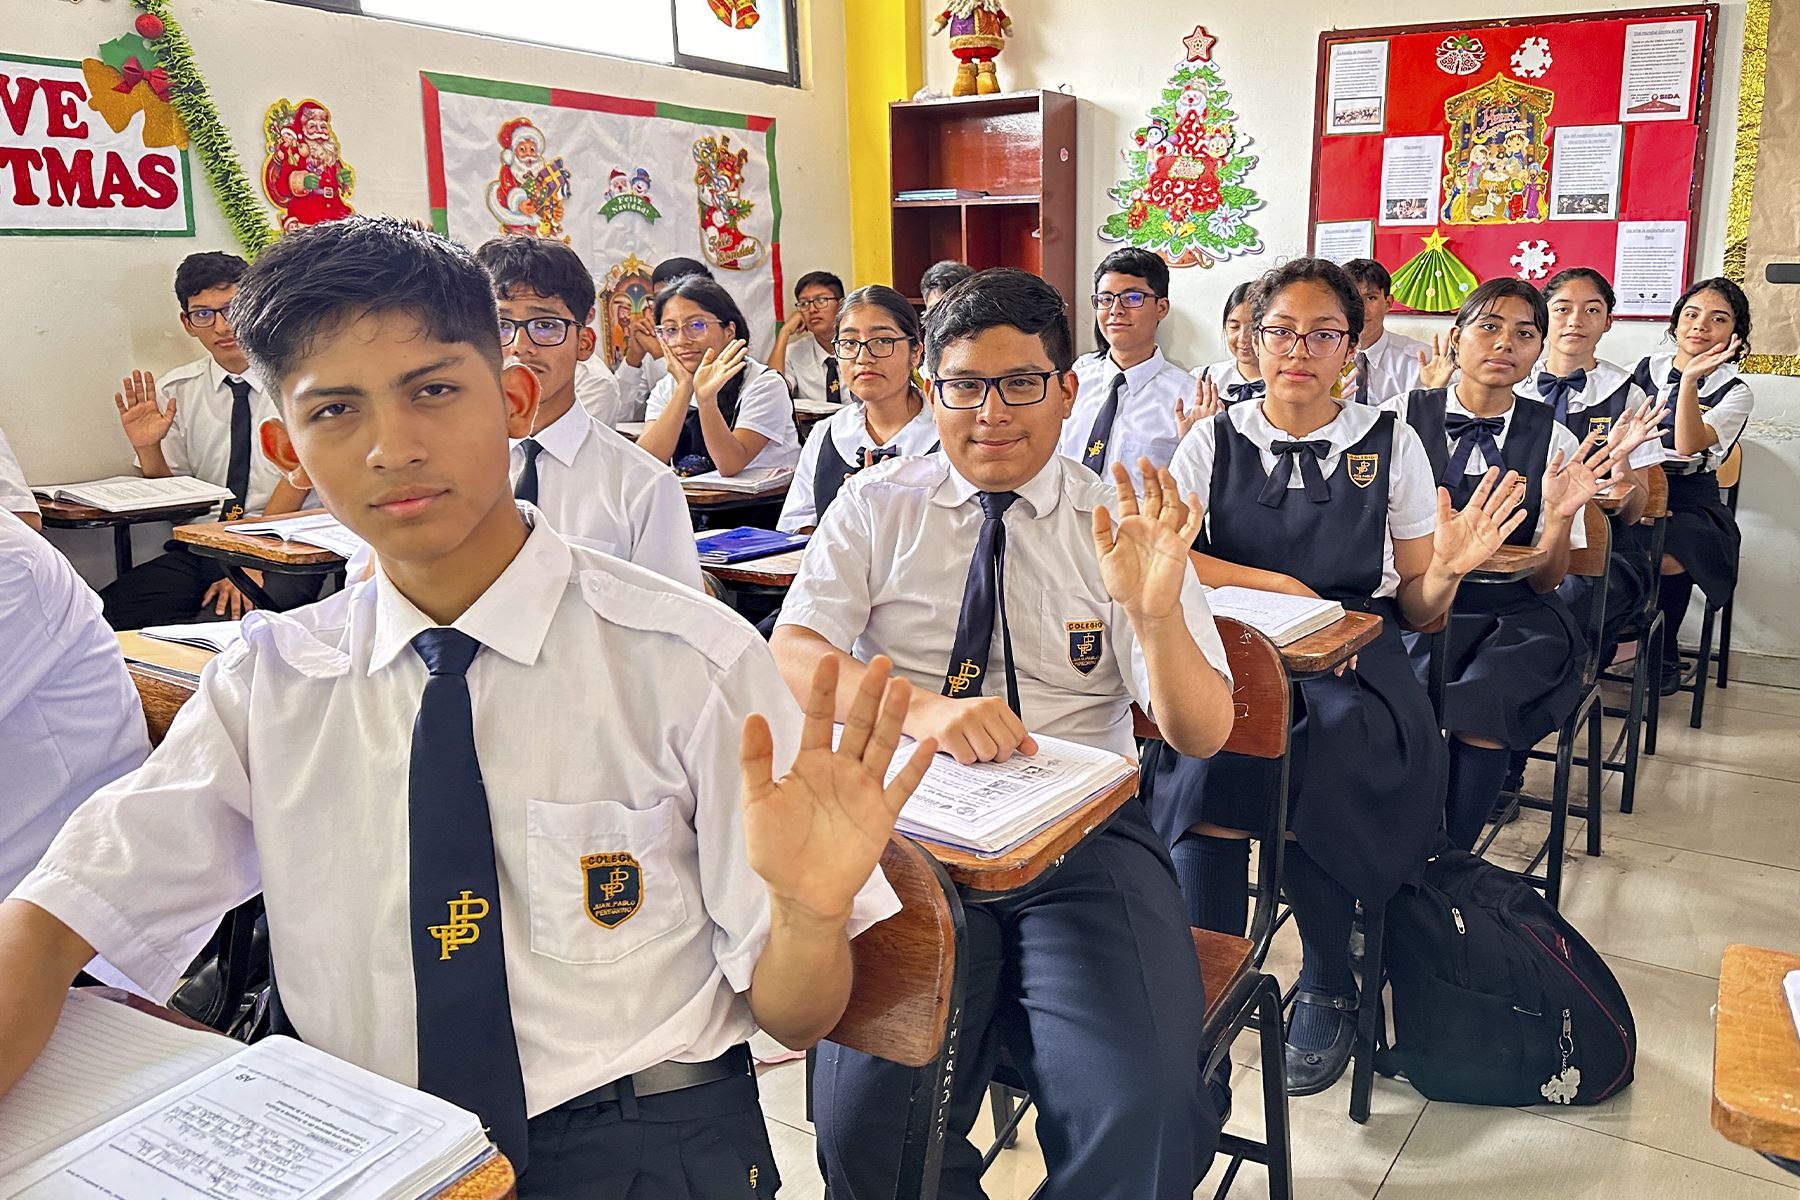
1486, 296
1366, 272
1734, 299
1563, 279
823, 279
547, 267
204, 271
313, 281
1242, 294
1311, 270
670, 269
1001, 296
1139, 264
942, 276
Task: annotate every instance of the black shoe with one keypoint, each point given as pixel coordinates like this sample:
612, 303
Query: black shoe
1506, 809
1218, 1086
1671, 678
1310, 1072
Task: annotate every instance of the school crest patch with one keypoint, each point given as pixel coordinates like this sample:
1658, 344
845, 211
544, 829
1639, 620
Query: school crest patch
1086, 641
1362, 468
612, 888
1600, 427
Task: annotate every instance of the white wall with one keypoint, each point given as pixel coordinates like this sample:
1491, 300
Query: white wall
81, 312
1267, 54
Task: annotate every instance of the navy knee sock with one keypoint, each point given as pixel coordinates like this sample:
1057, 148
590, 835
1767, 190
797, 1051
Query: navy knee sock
1674, 592
1323, 910
1214, 874
1476, 773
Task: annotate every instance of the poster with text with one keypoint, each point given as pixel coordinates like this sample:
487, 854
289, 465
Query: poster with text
1356, 88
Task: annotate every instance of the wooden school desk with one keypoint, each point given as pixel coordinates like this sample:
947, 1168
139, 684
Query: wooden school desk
166, 675
1756, 1055
240, 552
60, 514
717, 500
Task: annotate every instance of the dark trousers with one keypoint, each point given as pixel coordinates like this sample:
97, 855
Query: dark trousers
1089, 980
167, 590
700, 1143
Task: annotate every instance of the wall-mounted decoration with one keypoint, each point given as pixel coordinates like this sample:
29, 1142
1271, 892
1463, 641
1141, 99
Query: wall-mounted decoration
724, 209
1760, 220
304, 173
629, 194
1434, 280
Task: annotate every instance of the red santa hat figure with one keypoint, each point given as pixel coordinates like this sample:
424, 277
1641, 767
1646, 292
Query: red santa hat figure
616, 183
516, 131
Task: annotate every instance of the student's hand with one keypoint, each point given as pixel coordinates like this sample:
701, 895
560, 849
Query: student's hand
796, 321
1206, 404
145, 424
1569, 485
1144, 561
1702, 365
1436, 368
224, 598
1634, 427
816, 835
979, 729
1466, 539
715, 371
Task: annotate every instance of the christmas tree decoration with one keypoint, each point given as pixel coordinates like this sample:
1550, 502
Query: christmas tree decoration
1434, 280
1533, 58
978, 32
735, 14
1534, 259
304, 174
148, 26
1461, 54
1183, 195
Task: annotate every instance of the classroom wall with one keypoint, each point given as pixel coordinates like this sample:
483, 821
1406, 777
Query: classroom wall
82, 311
1268, 54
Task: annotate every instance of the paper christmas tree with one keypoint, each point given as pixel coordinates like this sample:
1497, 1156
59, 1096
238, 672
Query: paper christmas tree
1433, 280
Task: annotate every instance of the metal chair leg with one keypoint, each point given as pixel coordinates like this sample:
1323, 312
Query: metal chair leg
1634, 728
1000, 1106
1559, 814
1725, 641
1274, 1080
1655, 638
1368, 1017
1596, 775
1702, 667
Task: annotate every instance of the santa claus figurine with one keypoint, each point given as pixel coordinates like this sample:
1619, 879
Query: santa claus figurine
526, 197
303, 174
978, 31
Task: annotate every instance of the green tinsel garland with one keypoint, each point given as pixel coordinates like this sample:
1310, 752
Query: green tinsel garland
207, 134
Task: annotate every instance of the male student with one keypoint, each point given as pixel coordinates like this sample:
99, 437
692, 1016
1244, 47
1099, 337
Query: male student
15, 496
939, 278
643, 366
1127, 391
1387, 363
497, 801
202, 421
592, 485
1066, 613
597, 391
802, 353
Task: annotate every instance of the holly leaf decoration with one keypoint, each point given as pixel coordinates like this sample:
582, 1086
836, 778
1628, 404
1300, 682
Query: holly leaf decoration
127, 46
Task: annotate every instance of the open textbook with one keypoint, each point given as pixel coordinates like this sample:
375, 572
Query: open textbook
217, 636
124, 1104
319, 529
1276, 615
132, 493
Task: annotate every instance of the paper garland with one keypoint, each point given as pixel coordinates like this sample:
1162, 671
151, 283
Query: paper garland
1434, 280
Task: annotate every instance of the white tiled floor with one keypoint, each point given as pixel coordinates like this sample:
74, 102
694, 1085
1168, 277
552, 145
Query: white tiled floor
1710, 857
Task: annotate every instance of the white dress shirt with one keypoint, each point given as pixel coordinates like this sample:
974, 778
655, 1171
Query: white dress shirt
1223, 373
1393, 365
1145, 424
804, 368
1602, 383
597, 489
884, 574
764, 406
597, 390
848, 431
1412, 493
608, 704
70, 722
1731, 401
636, 383
15, 495
199, 442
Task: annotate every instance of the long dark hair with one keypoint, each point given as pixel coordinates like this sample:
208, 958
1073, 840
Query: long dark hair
1487, 296
892, 304
708, 296
1734, 299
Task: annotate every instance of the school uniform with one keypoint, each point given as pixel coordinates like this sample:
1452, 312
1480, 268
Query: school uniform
597, 489
839, 448
1088, 976
15, 495
1233, 387
811, 370
575, 744
597, 390
636, 383
1389, 367
1122, 416
1365, 786
763, 406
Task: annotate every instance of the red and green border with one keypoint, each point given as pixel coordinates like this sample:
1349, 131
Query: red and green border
432, 83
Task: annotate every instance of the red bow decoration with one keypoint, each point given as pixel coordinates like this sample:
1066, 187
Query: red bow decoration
133, 73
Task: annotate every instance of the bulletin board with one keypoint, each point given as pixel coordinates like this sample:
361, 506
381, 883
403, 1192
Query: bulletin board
1458, 152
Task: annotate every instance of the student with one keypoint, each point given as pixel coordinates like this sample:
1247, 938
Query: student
550, 716
1513, 670
597, 391
1709, 405
1088, 976
1237, 378
592, 485
643, 367
879, 345
939, 278
807, 362
1128, 392
15, 494
1387, 363
204, 424
1311, 495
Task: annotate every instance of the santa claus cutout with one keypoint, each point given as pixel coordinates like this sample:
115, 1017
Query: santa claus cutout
528, 194
304, 174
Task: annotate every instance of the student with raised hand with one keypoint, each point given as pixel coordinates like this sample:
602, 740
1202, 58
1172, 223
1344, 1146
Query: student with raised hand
15, 494
594, 487
1238, 378
802, 353
1387, 363
879, 347
1709, 405
397, 751
643, 366
1316, 496
939, 278
1088, 976
1127, 392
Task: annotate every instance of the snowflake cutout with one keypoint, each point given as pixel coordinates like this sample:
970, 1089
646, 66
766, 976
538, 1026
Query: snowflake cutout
1534, 259
1224, 222
1461, 54
1532, 59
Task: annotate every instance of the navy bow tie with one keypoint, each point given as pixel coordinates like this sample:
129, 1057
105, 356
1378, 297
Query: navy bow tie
1467, 432
1240, 392
875, 454
1310, 454
1557, 389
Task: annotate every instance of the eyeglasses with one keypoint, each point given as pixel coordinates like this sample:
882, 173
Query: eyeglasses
878, 347
813, 302
1320, 343
1105, 300
543, 331
1015, 391
203, 318
693, 330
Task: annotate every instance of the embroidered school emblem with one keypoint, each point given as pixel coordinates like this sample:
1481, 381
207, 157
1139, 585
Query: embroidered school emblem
1600, 427
1086, 640
964, 675
612, 888
464, 926
1362, 468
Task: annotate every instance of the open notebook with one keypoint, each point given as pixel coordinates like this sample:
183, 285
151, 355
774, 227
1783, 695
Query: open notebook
122, 1104
131, 493
764, 481
217, 636
1276, 615
311, 529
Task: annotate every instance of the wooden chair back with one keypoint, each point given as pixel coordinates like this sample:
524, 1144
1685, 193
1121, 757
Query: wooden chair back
1259, 696
1732, 469
1656, 504
1591, 560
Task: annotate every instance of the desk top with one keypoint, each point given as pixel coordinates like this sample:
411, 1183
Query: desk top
219, 538
169, 655
1324, 649
60, 514
1756, 1053
720, 498
1508, 564
775, 571
1019, 866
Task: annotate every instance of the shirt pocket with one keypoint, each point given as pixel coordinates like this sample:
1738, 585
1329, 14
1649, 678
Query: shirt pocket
602, 878
1076, 642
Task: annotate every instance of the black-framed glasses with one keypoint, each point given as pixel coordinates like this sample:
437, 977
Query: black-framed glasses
1015, 391
693, 330
543, 331
812, 302
878, 347
1132, 299
203, 318
1320, 343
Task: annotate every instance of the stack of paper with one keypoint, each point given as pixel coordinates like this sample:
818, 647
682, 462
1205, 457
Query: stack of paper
130, 493
312, 529
763, 482
1276, 615
217, 636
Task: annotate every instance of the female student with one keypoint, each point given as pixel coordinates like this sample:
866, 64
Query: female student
1239, 377
878, 347
1309, 495
1709, 405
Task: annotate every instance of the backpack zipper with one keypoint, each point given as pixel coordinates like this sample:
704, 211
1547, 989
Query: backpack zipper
1630, 1053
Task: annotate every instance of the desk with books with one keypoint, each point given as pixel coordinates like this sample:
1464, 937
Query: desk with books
238, 551
66, 514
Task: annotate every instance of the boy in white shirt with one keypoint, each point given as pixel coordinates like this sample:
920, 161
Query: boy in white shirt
802, 352
1387, 363
15, 496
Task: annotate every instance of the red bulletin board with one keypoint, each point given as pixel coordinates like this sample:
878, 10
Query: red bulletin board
1661, 163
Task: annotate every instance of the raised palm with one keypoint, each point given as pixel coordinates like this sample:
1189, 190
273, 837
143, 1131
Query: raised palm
716, 370
1570, 483
1144, 558
1464, 540
1436, 368
145, 425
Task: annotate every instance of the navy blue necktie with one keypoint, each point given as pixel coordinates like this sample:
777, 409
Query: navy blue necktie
1094, 457
468, 1053
1362, 377
984, 593
237, 471
1466, 432
527, 487
832, 386
1556, 390
1240, 392
1310, 454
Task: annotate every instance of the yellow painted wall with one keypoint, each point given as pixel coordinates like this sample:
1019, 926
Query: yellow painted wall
882, 63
